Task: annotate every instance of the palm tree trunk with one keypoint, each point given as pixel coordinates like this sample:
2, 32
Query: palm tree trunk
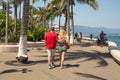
20, 12
59, 21
72, 30
32, 14
44, 13
22, 51
7, 20
15, 20
65, 20
68, 22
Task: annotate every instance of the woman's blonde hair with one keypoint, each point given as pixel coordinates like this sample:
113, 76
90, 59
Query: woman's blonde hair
62, 35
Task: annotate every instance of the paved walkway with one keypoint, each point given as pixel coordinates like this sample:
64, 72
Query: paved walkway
85, 61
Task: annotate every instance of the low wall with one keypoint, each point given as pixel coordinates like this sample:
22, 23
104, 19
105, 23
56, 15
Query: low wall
8, 48
35, 44
93, 39
14, 48
114, 51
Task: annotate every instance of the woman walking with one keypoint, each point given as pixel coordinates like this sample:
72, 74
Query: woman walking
61, 46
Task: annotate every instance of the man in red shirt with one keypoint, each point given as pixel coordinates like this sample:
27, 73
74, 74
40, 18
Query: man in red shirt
51, 39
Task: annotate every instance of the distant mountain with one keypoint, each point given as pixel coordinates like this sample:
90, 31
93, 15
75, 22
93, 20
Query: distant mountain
95, 30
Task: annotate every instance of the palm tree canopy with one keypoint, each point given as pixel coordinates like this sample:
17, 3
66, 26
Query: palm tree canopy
56, 3
33, 1
92, 3
60, 3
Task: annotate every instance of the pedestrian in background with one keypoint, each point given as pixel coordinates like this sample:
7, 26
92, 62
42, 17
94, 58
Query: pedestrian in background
91, 36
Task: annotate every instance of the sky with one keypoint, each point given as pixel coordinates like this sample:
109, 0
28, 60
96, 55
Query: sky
108, 14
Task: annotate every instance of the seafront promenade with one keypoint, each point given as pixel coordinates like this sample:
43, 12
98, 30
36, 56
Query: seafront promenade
83, 61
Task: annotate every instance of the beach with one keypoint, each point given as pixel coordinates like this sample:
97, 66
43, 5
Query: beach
83, 61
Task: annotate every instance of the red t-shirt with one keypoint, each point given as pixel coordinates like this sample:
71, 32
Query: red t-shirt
51, 38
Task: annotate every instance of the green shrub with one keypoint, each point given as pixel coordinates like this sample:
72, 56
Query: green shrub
2, 24
37, 34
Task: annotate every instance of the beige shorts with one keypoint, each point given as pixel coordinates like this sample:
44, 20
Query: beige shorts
51, 52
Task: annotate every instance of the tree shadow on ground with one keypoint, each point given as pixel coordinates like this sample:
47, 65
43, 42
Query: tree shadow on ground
72, 65
89, 76
41, 55
79, 54
44, 60
84, 44
24, 70
39, 61
68, 65
100, 57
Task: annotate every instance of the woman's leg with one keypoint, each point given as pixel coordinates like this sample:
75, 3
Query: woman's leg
62, 59
60, 55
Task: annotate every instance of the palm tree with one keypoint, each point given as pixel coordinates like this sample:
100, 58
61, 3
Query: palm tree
15, 17
72, 18
22, 51
7, 19
44, 12
68, 21
41, 16
15, 3
20, 3
92, 3
33, 1
32, 17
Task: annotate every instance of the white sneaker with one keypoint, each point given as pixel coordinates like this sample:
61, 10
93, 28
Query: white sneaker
52, 64
49, 66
